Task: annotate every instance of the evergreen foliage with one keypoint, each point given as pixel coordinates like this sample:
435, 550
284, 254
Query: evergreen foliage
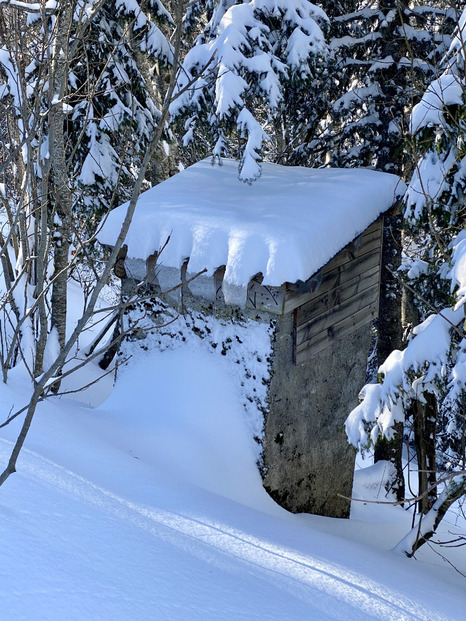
427, 381
381, 58
117, 120
251, 67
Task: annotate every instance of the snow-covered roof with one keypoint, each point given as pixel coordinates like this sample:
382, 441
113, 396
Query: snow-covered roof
286, 225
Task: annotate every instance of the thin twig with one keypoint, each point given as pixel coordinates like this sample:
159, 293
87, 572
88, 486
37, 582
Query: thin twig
395, 503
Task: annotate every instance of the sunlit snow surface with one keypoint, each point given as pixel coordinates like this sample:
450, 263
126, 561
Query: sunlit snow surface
286, 225
150, 506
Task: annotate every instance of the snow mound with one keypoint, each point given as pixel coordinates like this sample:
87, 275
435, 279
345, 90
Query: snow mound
286, 225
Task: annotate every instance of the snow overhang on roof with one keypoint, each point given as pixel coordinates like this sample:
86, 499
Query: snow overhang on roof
286, 225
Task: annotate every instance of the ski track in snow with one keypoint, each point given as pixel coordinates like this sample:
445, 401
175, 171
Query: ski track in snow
231, 550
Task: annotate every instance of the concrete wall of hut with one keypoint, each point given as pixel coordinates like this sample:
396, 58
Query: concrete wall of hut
308, 461
319, 366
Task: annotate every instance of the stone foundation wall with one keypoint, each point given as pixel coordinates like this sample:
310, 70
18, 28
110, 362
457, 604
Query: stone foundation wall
307, 458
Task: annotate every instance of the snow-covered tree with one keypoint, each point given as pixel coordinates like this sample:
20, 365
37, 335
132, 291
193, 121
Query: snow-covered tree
48, 88
251, 68
425, 384
115, 100
79, 113
382, 57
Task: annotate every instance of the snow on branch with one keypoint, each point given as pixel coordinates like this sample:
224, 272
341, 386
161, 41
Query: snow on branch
349, 42
250, 168
34, 7
237, 73
405, 376
154, 41
457, 273
446, 91
427, 524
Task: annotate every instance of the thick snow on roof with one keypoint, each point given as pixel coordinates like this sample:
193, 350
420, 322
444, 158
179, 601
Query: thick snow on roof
286, 225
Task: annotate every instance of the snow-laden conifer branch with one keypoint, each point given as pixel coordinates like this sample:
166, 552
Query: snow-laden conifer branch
260, 47
426, 382
32, 7
405, 376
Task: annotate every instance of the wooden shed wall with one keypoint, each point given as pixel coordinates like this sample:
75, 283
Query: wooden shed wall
346, 299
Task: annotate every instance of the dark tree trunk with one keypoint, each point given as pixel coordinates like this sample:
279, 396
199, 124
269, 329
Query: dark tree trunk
390, 337
425, 425
62, 199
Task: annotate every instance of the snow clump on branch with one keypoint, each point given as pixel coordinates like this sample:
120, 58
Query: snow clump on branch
236, 75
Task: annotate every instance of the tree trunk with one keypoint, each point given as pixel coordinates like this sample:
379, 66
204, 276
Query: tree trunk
62, 197
391, 156
425, 426
390, 337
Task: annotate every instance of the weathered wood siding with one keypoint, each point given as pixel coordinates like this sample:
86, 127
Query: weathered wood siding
346, 298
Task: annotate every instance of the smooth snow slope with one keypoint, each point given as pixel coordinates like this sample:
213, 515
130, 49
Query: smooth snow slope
286, 225
151, 507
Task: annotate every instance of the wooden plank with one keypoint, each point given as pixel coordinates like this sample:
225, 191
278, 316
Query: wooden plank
375, 226
333, 278
361, 275
337, 332
372, 232
218, 281
324, 322
338, 294
350, 254
370, 240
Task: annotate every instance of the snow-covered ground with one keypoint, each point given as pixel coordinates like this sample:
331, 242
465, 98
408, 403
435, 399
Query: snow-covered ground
150, 506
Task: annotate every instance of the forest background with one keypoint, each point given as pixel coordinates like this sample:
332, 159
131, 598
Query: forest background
102, 99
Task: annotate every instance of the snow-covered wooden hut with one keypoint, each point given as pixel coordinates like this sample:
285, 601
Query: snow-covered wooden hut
302, 245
